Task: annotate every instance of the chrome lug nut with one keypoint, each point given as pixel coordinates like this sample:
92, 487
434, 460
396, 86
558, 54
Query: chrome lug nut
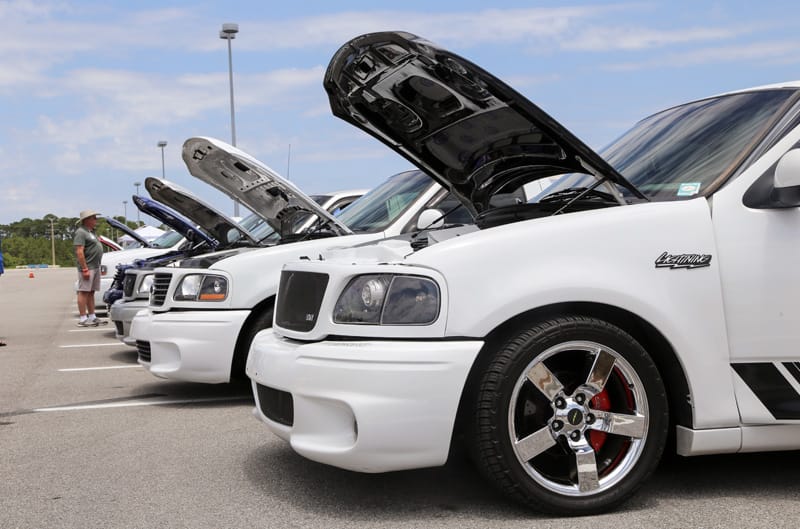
560, 403
557, 425
580, 398
575, 435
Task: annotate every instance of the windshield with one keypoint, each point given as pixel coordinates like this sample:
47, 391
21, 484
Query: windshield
257, 226
167, 240
264, 232
680, 152
379, 208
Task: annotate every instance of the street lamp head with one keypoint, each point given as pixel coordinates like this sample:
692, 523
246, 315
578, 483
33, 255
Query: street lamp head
229, 31
162, 144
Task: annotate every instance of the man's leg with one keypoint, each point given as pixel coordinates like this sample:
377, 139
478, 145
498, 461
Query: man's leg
82, 302
90, 302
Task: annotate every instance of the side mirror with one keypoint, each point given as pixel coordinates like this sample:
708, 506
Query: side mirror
786, 182
430, 219
233, 235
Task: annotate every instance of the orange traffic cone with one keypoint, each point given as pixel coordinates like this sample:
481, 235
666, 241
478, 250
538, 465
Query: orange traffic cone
30, 275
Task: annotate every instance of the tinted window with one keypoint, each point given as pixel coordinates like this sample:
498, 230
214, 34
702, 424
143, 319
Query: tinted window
691, 145
379, 208
167, 240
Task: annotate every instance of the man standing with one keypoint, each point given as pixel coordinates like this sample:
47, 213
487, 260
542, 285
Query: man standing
88, 253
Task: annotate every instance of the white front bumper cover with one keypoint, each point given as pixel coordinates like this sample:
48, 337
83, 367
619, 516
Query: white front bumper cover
368, 406
122, 314
192, 346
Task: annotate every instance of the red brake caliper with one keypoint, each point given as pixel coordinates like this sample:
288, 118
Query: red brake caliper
599, 402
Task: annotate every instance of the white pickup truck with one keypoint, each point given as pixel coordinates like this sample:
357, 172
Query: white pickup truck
204, 313
207, 228
650, 294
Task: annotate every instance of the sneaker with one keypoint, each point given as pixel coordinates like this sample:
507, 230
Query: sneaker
86, 323
98, 321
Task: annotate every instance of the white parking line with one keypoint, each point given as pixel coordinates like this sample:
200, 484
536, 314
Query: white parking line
93, 329
115, 344
131, 403
70, 369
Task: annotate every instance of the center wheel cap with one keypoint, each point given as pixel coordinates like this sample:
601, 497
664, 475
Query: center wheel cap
575, 417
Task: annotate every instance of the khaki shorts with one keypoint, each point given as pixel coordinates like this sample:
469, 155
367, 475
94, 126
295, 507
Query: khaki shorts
89, 285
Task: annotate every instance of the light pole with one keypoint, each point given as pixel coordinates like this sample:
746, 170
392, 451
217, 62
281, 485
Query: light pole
161, 145
52, 241
137, 184
228, 32
125, 212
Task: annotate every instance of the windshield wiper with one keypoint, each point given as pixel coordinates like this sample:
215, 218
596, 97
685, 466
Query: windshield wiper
574, 194
577, 193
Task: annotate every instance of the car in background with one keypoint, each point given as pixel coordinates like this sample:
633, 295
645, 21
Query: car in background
108, 244
137, 279
137, 276
204, 313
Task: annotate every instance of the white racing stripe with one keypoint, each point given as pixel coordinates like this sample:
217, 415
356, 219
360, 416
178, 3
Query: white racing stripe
135, 402
71, 369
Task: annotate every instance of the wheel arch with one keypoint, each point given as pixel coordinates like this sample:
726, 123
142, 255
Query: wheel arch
653, 341
246, 334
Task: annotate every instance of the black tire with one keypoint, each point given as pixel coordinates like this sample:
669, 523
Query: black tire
262, 320
527, 437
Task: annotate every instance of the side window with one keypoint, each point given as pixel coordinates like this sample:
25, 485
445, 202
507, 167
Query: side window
341, 204
456, 212
447, 203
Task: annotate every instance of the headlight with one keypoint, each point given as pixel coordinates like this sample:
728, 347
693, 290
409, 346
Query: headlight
200, 287
144, 286
388, 299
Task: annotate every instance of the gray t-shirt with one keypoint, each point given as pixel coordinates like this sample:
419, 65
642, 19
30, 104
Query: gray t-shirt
92, 247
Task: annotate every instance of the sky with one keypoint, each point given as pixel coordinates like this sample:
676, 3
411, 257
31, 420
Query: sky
89, 88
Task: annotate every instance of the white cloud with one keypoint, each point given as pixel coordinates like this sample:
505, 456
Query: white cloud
604, 39
470, 28
778, 52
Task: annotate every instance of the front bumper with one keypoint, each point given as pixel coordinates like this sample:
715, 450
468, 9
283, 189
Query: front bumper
122, 313
194, 346
368, 406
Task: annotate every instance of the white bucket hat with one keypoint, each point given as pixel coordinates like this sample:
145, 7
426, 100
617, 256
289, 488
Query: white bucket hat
86, 213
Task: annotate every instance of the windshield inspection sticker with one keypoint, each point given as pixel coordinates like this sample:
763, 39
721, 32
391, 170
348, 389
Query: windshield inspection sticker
688, 189
683, 260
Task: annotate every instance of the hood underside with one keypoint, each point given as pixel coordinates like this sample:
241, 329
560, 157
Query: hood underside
128, 231
470, 131
255, 185
206, 216
174, 220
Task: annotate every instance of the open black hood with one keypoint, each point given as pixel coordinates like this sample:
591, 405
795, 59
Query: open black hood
470, 131
192, 207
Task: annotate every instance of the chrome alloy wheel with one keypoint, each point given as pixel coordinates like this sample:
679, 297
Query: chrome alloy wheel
578, 418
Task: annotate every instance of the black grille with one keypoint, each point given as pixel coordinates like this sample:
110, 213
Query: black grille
277, 405
144, 350
160, 287
128, 284
299, 298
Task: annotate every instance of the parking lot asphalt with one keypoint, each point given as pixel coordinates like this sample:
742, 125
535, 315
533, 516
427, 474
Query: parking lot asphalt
90, 439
